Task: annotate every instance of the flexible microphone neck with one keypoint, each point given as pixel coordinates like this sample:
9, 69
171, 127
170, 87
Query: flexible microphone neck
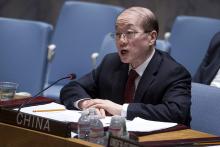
70, 77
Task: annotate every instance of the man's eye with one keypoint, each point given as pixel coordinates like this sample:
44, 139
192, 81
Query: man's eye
118, 34
129, 33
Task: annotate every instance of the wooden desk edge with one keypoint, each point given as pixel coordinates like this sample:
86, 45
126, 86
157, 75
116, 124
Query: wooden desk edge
23, 136
174, 135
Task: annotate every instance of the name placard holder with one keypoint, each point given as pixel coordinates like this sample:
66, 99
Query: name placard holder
37, 123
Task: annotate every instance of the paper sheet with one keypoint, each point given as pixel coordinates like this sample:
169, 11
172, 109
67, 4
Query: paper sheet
65, 116
141, 125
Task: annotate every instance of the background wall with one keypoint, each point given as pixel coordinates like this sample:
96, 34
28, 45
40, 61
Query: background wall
166, 10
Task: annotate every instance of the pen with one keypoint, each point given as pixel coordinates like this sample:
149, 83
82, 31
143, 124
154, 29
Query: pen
49, 110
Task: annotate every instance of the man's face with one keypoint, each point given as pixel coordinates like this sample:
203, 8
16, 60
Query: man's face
134, 45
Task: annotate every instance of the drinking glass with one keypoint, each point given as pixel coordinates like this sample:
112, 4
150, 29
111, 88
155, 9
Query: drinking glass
7, 90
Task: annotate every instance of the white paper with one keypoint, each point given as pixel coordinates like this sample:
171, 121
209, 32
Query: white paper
141, 125
73, 135
64, 116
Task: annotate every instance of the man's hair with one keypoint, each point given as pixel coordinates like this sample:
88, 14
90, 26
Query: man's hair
150, 24
149, 20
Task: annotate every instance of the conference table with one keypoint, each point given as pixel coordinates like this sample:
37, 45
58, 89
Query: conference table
16, 136
11, 136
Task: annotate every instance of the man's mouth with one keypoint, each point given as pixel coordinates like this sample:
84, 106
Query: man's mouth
123, 52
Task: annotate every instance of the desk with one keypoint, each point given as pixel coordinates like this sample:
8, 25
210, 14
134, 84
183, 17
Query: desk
21, 137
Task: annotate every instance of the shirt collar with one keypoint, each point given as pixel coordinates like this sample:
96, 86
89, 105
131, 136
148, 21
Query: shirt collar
140, 69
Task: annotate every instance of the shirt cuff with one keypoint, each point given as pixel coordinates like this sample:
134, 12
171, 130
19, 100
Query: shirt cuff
124, 110
75, 104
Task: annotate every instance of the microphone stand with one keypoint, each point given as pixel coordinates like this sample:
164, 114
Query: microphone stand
71, 77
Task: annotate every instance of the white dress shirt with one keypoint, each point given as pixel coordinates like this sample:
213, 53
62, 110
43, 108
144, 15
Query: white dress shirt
216, 81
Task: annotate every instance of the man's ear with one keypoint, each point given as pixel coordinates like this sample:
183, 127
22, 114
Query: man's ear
153, 37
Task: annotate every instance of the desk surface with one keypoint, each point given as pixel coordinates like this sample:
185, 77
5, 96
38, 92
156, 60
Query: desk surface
20, 137
174, 135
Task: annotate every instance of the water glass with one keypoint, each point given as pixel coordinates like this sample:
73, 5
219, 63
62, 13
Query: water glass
7, 90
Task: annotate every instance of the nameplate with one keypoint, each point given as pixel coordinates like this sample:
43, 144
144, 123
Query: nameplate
34, 122
114, 141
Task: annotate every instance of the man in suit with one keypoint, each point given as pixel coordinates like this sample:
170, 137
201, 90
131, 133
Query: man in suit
209, 70
162, 86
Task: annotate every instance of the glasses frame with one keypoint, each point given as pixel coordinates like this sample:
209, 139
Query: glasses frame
128, 35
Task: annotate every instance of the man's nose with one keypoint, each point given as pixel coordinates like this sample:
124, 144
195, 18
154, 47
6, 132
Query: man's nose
122, 43
122, 39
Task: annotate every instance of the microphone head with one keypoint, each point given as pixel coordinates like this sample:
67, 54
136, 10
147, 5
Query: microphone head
72, 76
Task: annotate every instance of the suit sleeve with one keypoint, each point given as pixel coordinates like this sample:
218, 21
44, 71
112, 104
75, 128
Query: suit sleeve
85, 87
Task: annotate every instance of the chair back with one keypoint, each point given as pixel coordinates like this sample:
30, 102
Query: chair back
80, 29
205, 109
23, 54
163, 45
190, 38
108, 46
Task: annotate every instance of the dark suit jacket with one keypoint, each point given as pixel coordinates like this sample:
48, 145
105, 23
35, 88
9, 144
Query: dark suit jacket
210, 64
163, 93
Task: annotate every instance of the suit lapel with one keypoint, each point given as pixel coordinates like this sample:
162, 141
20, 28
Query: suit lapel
119, 81
148, 77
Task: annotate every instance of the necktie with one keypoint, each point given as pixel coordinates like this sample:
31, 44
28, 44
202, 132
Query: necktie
130, 86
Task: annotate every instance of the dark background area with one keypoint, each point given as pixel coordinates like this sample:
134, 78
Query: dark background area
165, 10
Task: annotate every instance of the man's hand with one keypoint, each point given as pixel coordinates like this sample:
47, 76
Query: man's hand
84, 104
107, 105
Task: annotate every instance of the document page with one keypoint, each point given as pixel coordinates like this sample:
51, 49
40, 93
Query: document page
141, 125
53, 111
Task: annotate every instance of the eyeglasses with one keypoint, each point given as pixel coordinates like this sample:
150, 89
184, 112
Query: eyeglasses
128, 35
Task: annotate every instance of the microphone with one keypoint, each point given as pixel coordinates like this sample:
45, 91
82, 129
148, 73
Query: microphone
71, 76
